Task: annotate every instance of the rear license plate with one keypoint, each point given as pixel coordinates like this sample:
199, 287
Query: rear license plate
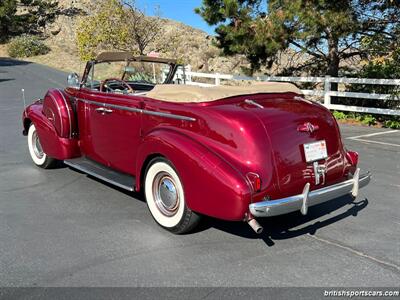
315, 151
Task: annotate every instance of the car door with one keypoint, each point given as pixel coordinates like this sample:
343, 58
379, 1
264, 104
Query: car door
110, 128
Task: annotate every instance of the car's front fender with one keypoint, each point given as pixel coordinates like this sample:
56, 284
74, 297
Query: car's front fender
212, 186
53, 145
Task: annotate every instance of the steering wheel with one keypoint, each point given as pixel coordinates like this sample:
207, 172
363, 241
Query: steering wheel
104, 85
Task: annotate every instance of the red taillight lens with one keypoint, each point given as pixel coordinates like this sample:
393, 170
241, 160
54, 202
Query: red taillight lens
352, 157
255, 181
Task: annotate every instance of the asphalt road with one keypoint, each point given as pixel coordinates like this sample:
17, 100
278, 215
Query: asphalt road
62, 228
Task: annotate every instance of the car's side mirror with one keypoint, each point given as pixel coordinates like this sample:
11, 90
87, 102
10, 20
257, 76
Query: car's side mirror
73, 80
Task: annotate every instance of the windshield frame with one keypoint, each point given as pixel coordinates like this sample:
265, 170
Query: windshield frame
109, 57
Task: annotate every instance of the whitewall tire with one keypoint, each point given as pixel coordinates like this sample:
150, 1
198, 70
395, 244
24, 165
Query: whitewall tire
40, 158
166, 198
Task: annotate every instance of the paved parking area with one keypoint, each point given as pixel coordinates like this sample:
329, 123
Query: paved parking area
61, 228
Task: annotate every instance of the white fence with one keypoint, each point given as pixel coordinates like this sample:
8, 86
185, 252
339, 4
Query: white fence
326, 93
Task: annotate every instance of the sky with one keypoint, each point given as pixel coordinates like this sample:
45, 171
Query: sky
179, 10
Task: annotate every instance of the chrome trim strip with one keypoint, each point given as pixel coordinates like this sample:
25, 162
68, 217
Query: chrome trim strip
282, 206
252, 102
59, 112
87, 171
139, 110
168, 115
69, 114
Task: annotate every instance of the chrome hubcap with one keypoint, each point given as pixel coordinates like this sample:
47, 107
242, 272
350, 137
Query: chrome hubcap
37, 148
165, 194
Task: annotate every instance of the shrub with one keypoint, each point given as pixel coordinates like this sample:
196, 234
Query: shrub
27, 46
339, 115
367, 119
394, 124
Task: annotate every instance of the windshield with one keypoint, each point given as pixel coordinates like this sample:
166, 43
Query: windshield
133, 72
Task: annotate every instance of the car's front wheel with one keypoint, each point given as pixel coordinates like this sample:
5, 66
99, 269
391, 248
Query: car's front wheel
166, 198
40, 158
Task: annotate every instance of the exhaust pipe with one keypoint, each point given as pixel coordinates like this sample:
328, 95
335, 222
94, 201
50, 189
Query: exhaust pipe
255, 225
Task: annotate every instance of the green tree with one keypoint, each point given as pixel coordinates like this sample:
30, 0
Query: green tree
117, 25
8, 8
39, 14
34, 16
103, 29
328, 32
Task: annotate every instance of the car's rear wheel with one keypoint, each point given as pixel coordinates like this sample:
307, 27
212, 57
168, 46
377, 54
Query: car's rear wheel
166, 198
38, 156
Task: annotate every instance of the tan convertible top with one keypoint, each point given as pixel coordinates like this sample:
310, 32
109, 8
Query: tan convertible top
189, 93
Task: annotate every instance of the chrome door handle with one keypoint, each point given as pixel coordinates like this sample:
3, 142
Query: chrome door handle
103, 110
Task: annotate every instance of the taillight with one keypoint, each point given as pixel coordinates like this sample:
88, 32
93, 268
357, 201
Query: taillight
352, 157
255, 181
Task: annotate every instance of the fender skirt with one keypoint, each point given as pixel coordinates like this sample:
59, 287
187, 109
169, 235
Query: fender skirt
211, 185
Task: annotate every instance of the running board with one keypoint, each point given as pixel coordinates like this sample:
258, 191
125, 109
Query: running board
122, 180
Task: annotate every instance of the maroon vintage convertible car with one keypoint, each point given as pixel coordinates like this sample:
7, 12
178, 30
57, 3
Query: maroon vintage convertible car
234, 153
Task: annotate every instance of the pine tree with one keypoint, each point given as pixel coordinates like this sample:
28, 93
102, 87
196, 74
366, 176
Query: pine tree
37, 14
327, 31
8, 8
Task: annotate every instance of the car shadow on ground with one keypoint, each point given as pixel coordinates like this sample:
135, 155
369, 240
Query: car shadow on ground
287, 226
6, 79
275, 228
9, 62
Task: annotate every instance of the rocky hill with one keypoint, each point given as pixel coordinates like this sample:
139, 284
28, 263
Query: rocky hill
190, 45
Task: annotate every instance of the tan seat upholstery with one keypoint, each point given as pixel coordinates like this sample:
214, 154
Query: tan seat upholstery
190, 93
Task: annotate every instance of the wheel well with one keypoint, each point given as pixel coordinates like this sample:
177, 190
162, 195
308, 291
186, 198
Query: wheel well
27, 123
145, 165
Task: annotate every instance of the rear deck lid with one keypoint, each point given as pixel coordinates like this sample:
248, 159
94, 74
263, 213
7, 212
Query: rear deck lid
298, 131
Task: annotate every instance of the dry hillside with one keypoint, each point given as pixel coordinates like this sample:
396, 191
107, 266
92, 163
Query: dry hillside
191, 45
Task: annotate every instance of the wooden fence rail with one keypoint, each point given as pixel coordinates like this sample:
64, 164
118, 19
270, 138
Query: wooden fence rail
325, 92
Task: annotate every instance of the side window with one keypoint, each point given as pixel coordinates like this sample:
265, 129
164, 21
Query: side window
182, 75
102, 71
146, 72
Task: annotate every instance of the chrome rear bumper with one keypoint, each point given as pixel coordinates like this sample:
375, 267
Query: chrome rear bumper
306, 199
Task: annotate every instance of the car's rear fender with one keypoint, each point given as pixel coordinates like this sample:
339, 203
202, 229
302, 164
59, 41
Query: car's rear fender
53, 145
212, 186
